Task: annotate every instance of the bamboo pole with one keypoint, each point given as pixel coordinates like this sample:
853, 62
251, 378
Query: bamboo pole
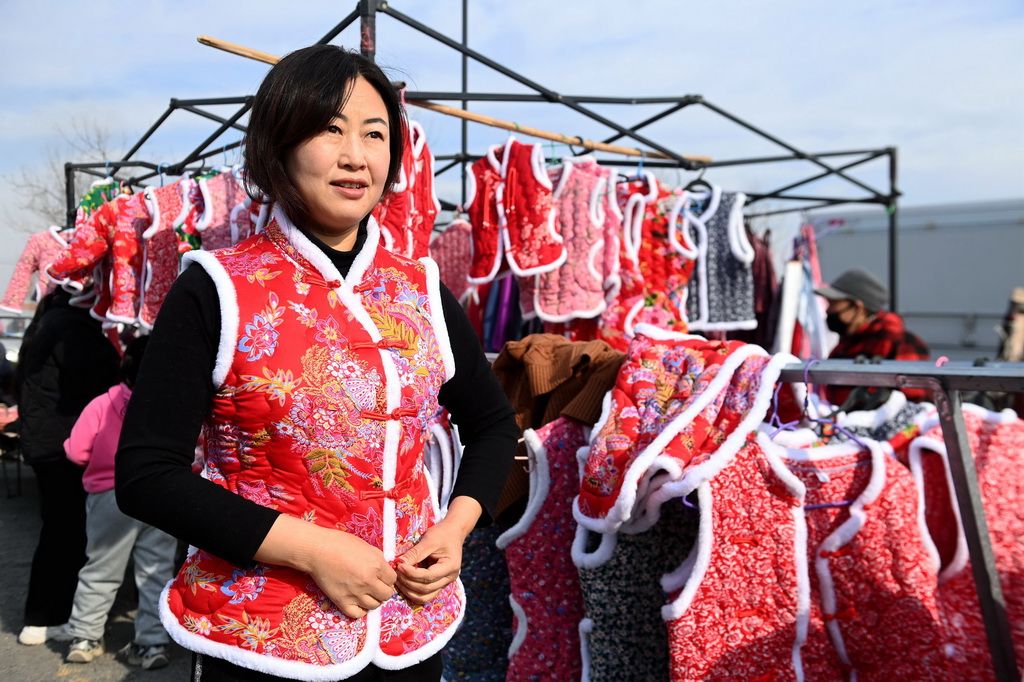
471, 116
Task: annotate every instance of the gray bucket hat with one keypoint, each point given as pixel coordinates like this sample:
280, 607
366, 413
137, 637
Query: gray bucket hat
859, 285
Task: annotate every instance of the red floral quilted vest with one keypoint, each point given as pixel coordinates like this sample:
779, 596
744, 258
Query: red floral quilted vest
325, 386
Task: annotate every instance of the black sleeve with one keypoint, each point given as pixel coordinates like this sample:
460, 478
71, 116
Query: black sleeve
478, 405
170, 400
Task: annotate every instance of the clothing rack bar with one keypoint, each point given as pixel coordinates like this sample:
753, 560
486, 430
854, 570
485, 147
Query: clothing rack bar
342, 25
946, 382
794, 185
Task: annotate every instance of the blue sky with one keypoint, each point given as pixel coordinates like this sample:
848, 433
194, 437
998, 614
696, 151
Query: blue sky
942, 80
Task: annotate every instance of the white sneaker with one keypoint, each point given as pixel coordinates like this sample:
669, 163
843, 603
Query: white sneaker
32, 635
84, 650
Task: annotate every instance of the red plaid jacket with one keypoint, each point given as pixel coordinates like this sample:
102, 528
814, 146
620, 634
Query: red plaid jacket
887, 337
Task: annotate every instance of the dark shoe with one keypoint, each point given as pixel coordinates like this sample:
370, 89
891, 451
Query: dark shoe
149, 657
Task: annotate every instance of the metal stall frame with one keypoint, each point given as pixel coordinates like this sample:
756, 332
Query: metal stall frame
946, 383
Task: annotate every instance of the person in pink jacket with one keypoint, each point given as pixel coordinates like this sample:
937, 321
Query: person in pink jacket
114, 537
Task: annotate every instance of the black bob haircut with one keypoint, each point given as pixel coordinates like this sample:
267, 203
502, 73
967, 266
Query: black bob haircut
296, 100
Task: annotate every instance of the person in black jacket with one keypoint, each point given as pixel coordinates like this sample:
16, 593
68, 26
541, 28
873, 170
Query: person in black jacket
64, 362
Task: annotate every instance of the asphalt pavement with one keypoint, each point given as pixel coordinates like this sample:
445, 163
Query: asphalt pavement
19, 530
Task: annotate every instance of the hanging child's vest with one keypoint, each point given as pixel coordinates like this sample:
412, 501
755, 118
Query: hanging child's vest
738, 603
126, 273
546, 597
326, 387
667, 382
575, 289
721, 294
526, 214
167, 207
41, 249
222, 195
482, 209
425, 204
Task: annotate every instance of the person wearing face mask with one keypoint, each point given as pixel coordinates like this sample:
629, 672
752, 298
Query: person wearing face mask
856, 311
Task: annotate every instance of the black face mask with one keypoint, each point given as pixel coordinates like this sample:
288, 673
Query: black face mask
835, 323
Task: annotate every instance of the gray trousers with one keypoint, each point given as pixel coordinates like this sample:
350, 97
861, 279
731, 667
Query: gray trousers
112, 539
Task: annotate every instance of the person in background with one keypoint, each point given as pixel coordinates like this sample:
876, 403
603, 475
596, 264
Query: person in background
64, 362
314, 363
856, 311
113, 538
6, 379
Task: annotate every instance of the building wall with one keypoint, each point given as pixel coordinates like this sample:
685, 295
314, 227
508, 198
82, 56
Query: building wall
957, 265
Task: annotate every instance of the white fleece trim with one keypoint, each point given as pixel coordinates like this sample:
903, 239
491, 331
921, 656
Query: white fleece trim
442, 458
154, 212
873, 419
229, 313
499, 255
803, 581
206, 217
961, 555
470, 191
424, 652
501, 166
522, 627
438, 321
599, 556
586, 627
678, 237
266, 664
844, 534
625, 505
540, 486
684, 481
55, 232
741, 247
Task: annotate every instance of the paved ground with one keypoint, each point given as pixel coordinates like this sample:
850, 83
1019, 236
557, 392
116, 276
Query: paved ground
19, 528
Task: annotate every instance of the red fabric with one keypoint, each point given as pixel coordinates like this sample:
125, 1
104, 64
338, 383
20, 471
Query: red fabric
887, 337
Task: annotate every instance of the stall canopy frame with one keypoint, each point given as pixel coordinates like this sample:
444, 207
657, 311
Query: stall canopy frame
366, 12
946, 382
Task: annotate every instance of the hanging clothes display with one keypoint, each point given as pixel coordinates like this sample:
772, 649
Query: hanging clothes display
40, 250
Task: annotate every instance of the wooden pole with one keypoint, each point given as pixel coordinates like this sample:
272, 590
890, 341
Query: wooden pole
471, 116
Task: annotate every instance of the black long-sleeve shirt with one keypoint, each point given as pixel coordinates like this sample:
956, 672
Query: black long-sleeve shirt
172, 396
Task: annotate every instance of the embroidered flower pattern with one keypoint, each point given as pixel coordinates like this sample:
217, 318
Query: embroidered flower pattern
317, 397
244, 585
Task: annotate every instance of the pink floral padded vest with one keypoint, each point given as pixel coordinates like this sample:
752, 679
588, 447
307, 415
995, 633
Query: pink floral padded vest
325, 390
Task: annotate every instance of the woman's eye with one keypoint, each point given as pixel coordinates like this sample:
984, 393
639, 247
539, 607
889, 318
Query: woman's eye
377, 135
333, 129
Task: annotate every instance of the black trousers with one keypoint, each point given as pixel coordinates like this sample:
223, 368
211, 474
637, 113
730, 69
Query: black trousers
209, 669
60, 552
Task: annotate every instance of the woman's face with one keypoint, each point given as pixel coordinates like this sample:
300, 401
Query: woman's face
340, 172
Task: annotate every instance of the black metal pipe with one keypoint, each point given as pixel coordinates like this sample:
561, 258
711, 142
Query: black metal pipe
211, 101
790, 197
368, 28
772, 138
333, 33
214, 117
795, 209
893, 238
152, 129
814, 177
551, 95
652, 119
69, 195
176, 169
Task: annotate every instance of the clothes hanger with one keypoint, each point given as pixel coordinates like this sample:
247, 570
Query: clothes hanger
699, 182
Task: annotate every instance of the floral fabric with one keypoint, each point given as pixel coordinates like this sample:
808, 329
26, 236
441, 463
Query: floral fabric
545, 589
40, 250
532, 242
322, 413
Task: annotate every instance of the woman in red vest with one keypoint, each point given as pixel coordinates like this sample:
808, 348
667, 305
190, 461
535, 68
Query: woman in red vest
316, 366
